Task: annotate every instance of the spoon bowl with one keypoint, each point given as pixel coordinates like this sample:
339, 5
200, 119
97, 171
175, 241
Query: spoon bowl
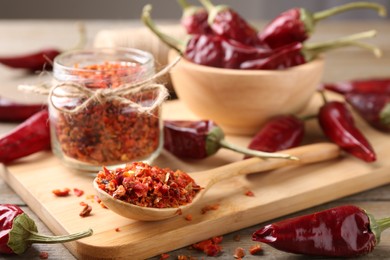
206, 179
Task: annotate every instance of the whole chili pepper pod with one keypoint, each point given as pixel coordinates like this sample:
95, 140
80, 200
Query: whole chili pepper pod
297, 53
338, 125
279, 133
194, 18
199, 139
344, 231
16, 112
38, 60
31, 136
226, 22
19, 232
297, 24
374, 108
372, 85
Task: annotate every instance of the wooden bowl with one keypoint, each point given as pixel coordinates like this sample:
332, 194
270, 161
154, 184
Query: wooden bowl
241, 101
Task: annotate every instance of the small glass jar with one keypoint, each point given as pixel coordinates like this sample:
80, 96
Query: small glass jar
89, 131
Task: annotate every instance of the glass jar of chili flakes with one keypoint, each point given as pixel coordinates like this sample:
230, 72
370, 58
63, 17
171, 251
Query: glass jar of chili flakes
98, 115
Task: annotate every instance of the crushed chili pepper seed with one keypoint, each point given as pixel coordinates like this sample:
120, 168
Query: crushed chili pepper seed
164, 256
43, 255
110, 132
61, 192
188, 217
117, 229
208, 208
143, 185
86, 211
210, 247
239, 253
255, 249
249, 193
78, 192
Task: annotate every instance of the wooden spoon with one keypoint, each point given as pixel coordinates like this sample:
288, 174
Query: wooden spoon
306, 154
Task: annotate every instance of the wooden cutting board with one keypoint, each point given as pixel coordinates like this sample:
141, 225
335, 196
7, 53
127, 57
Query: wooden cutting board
277, 193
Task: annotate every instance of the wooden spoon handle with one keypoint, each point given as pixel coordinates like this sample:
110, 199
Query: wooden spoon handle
307, 154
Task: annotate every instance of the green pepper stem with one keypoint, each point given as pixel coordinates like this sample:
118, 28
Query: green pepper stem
255, 153
43, 239
343, 8
311, 51
384, 115
168, 40
378, 226
212, 9
323, 96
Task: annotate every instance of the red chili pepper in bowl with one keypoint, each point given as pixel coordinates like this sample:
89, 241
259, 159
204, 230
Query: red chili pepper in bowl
194, 18
202, 138
19, 232
11, 111
279, 133
338, 125
31, 136
373, 85
297, 24
374, 108
226, 22
344, 231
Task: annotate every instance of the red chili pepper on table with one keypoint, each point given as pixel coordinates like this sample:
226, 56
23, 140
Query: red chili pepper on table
202, 138
297, 24
338, 125
344, 231
226, 22
15, 112
194, 18
31, 136
374, 108
19, 232
279, 133
373, 85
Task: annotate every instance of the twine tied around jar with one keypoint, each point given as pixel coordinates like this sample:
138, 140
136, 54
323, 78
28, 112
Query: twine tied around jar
78, 90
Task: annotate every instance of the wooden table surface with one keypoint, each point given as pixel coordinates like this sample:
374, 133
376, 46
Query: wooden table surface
24, 36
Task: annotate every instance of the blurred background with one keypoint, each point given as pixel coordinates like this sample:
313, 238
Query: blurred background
163, 9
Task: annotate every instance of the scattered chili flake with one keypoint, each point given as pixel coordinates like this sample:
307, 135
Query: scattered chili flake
184, 257
164, 256
255, 249
82, 203
239, 253
86, 211
97, 199
249, 193
207, 208
110, 132
117, 229
179, 212
78, 192
148, 186
237, 238
102, 205
209, 246
188, 217
43, 255
61, 192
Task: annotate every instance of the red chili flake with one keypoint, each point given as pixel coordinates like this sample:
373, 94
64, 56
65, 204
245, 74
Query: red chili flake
207, 208
110, 132
239, 253
164, 256
103, 206
97, 199
43, 255
237, 238
188, 217
82, 203
210, 246
255, 249
61, 193
86, 211
179, 212
148, 186
78, 192
249, 193
117, 230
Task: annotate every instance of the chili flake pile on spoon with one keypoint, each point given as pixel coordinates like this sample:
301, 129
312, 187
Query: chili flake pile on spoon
148, 186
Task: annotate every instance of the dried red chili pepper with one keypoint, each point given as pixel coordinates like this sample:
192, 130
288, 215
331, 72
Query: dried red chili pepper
11, 111
279, 133
297, 24
226, 22
338, 125
374, 108
194, 18
373, 85
31, 136
199, 139
19, 232
344, 231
